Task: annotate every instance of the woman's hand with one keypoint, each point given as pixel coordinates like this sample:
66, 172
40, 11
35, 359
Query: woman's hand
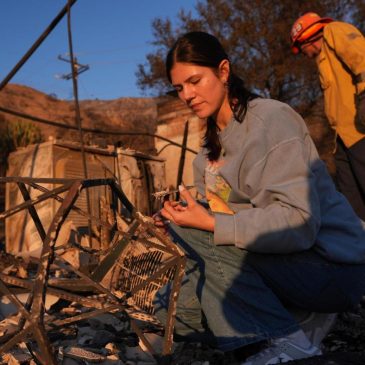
191, 215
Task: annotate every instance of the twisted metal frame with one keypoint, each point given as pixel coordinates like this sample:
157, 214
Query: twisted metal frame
144, 258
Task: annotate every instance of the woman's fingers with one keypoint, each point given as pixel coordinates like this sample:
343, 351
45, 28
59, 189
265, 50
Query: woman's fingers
186, 196
167, 212
159, 220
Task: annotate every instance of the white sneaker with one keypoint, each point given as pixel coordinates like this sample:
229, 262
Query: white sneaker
317, 325
282, 350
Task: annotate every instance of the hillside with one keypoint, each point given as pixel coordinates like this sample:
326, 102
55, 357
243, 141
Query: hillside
123, 114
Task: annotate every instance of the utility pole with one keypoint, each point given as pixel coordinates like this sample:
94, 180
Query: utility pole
79, 68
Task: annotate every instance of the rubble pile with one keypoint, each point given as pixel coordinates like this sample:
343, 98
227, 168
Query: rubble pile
106, 338
76, 303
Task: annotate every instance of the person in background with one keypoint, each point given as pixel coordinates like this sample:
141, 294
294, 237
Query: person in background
271, 233
339, 51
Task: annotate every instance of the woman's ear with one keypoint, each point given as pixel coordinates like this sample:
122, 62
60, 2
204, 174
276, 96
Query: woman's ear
224, 69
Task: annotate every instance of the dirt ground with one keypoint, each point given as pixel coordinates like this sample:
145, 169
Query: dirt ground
344, 345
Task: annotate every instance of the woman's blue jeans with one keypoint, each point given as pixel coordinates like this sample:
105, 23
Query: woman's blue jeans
231, 297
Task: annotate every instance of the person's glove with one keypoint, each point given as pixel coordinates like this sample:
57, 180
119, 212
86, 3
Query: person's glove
360, 109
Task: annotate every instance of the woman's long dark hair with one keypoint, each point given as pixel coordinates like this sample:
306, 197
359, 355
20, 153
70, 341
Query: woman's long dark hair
203, 49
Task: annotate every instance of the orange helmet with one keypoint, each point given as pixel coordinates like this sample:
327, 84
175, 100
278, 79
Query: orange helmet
305, 27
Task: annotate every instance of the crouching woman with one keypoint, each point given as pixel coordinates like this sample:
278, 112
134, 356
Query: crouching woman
271, 235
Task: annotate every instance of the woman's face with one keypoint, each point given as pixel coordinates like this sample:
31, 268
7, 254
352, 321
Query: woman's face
201, 88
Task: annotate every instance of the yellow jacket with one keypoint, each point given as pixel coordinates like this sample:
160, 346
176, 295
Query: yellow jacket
341, 59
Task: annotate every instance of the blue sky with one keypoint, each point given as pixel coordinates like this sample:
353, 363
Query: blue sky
111, 36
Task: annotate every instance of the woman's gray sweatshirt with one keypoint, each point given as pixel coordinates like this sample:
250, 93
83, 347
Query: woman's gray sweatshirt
282, 195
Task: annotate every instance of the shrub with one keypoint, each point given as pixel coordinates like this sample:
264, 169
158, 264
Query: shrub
18, 134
